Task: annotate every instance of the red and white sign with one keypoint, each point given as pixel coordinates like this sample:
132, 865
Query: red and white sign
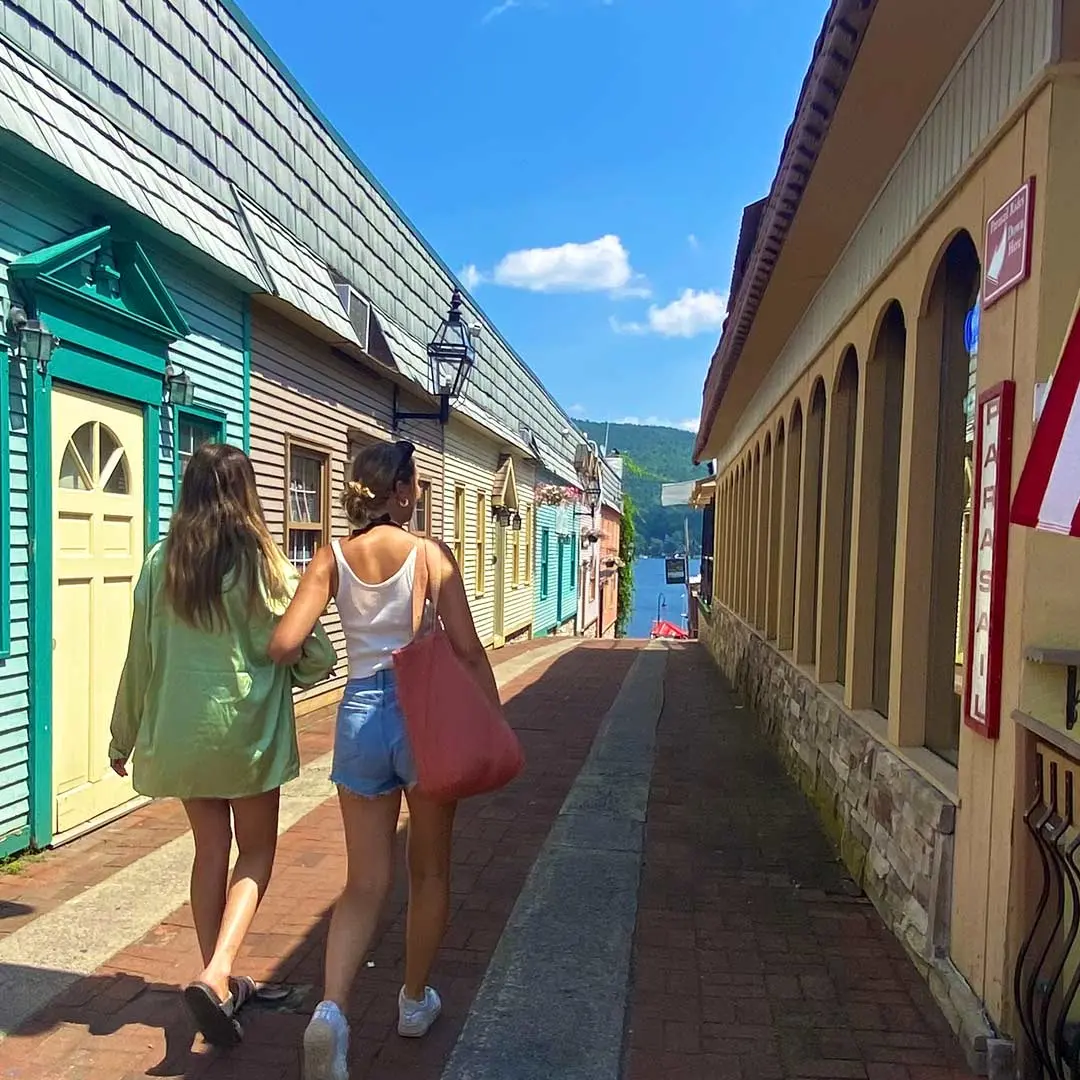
1048, 493
1008, 244
990, 544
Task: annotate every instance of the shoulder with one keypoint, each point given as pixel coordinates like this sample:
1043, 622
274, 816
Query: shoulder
155, 559
437, 555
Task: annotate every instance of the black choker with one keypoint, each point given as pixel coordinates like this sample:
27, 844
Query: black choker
385, 519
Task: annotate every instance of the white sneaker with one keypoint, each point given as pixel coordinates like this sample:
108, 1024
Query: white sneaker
326, 1044
416, 1017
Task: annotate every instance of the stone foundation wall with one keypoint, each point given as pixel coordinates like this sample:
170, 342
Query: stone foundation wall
894, 831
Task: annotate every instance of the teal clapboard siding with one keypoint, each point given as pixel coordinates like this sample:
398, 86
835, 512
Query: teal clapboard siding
213, 355
558, 524
28, 221
34, 216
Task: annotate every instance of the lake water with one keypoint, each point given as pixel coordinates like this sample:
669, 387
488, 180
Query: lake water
649, 586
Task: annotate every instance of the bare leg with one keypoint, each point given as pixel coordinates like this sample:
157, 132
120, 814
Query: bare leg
256, 825
431, 827
370, 825
212, 830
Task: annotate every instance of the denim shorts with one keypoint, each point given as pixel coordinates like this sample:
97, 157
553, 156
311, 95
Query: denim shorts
372, 756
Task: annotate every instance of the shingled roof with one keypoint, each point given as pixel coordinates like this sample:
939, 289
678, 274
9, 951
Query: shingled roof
766, 223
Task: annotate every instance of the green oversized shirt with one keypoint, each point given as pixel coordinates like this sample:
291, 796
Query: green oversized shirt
205, 714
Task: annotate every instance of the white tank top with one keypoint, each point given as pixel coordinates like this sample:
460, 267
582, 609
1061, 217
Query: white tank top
376, 619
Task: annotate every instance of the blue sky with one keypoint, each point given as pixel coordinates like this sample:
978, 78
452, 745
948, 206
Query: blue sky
584, 163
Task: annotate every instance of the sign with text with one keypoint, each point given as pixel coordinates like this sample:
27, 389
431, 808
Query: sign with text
990, 544
675, 571
1008, 244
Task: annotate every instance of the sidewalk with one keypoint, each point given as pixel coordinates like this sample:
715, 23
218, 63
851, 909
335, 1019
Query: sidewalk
125, 1020
756, 957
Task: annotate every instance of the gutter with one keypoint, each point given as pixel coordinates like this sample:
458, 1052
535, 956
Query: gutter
834, 56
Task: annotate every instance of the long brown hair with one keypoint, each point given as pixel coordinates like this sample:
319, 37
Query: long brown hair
218, 529
373, 479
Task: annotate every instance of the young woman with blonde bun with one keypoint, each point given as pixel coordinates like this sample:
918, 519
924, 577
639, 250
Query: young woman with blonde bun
371, 577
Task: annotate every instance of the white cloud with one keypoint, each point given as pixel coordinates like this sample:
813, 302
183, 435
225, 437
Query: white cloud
692, 314
578, 412
499, 9
470, 277
656, 421
693, 241
601, 265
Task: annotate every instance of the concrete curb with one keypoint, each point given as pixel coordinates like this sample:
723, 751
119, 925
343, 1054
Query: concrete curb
553, 1000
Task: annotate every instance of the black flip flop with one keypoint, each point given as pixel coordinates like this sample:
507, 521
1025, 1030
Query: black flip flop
244, 989
214, 1018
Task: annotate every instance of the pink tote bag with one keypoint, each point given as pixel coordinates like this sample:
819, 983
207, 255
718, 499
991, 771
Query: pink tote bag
461, 742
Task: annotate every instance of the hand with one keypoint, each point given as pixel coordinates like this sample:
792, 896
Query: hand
120, 768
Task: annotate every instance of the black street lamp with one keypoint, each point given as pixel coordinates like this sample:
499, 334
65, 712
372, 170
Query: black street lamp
593, 491
452, 356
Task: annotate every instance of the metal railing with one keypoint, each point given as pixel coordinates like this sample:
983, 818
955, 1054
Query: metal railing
1047, 976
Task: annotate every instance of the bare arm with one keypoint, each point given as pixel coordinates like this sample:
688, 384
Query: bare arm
457, 618
310, 601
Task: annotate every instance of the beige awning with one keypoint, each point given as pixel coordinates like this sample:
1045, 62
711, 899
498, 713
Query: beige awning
504, 490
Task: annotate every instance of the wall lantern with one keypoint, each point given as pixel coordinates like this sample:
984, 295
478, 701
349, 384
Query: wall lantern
34, 341
179, 389
593, 491
515, 524
452, 356
502, 514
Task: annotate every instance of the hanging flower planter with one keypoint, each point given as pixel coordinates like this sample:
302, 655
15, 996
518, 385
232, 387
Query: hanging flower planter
557, 495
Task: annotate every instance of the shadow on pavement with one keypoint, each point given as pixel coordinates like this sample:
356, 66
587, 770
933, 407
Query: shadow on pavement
116, 1026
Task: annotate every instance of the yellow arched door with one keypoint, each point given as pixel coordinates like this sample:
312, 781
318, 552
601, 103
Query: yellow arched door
98, 496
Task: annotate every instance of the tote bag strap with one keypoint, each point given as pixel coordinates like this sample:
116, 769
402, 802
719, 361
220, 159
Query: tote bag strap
420, 588
422, 579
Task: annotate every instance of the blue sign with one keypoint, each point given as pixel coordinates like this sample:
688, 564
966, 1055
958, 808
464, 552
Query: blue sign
971, 330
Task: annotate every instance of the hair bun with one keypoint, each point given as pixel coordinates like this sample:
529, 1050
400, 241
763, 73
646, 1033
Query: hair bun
360, 491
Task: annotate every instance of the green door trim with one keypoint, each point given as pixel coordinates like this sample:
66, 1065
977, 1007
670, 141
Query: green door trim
115, 321
5, 501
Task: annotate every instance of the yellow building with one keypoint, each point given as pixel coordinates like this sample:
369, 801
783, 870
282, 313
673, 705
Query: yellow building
899, 301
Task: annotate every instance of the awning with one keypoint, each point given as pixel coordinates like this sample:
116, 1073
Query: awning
297, 275
1048, 493
409, 355
504, 488
551, 461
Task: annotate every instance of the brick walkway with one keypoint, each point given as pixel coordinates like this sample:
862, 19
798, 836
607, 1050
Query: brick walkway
755, 956
125, 1021
43, 882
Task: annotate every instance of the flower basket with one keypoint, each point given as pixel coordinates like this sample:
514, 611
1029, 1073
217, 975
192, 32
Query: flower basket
557, 495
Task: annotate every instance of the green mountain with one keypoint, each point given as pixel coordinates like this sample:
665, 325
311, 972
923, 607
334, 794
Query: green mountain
656, 455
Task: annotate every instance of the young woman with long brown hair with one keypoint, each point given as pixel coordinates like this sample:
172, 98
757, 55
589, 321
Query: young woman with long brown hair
206, 716
371, 576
